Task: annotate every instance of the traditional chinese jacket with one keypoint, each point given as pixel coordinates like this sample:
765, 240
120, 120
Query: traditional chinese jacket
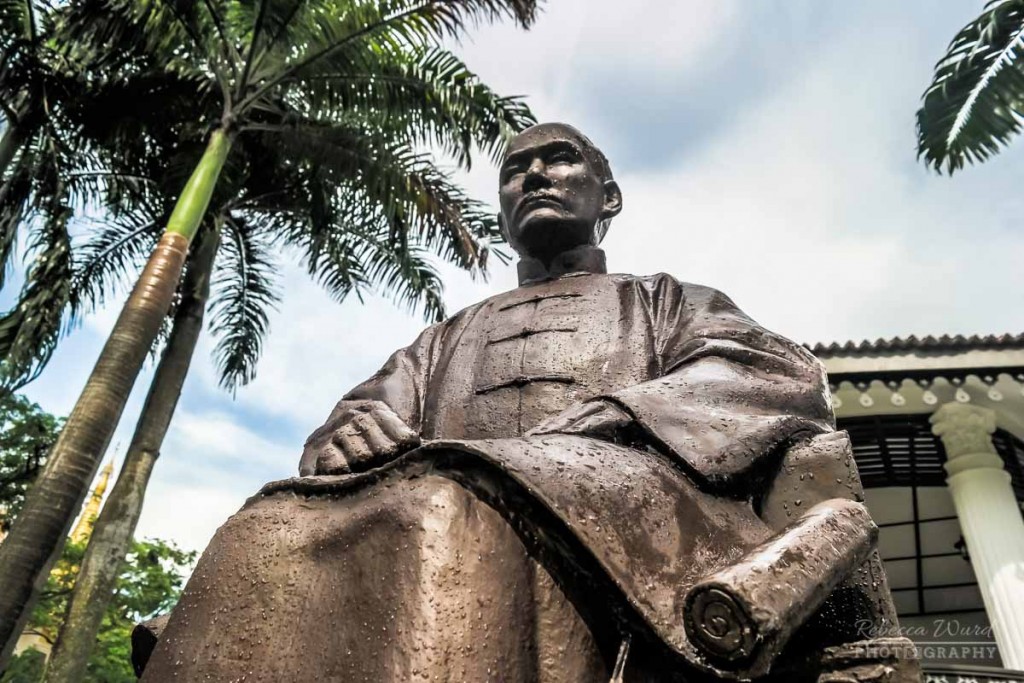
708, 385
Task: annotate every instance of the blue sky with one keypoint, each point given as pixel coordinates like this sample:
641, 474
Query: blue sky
764, 147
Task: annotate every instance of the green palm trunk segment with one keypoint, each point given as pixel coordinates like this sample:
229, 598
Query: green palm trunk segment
37, 535
112, 534
191, 206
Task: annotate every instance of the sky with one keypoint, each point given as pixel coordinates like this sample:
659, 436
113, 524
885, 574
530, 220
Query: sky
764, 147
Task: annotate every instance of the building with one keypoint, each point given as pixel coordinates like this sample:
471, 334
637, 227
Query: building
937, 426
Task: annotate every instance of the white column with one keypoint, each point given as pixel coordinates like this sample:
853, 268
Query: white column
989, 518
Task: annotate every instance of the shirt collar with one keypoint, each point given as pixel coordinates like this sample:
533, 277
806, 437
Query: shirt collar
581, 259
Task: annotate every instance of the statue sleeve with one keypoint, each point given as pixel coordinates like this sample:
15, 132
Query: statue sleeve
730, 392
399, 384
811, 472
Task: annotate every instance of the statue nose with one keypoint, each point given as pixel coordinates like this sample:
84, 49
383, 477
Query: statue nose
535, 177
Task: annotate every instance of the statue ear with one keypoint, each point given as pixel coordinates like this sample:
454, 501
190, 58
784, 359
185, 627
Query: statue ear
612, 200
503, 229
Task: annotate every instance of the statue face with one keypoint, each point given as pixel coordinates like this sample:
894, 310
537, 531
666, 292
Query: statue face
551, 194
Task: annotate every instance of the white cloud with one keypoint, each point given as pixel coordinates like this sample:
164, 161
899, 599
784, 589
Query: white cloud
210, 464
573, 38
188, 515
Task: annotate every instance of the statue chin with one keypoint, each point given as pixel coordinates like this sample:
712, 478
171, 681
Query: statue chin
544, 237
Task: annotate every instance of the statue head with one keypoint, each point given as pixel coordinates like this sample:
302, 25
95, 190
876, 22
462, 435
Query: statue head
556, 191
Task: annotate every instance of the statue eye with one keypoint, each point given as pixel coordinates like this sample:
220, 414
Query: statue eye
563, 157
511, 172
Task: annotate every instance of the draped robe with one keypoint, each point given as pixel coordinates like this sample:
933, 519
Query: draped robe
490, 555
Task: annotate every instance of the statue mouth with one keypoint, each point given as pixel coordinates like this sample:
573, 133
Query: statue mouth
537, 200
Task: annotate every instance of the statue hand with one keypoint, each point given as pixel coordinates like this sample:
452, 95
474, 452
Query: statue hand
365, 437
600, 419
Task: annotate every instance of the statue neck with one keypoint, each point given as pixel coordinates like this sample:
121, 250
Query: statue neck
581, 259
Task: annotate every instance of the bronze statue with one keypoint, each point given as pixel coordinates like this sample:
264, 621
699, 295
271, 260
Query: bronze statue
592, 477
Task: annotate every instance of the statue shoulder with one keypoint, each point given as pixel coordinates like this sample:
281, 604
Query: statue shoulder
663, 286
442, 328
467, 312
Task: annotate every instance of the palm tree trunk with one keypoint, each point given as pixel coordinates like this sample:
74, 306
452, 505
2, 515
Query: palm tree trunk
38, 533
23, 120
10, 143
115, 526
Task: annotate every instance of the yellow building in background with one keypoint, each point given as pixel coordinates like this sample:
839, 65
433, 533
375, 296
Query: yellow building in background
91, 509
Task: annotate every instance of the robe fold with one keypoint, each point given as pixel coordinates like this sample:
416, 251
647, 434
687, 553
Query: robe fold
489, 555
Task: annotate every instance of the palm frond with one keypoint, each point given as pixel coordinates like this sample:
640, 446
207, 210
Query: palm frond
975, 102
397, 186
428, 94
145, 112
113, 255
14, 198
352, 242
358, 257
406, 275
107, 35
416, 199
118, 191
332, 35
245, 294
29, 332
17, 20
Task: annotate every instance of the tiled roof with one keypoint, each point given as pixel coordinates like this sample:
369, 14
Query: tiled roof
944, 343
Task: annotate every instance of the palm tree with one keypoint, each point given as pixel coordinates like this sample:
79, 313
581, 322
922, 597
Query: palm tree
114, 528
974, 104
355, 81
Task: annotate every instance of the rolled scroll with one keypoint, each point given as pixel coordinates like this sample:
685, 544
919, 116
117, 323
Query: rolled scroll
741, 616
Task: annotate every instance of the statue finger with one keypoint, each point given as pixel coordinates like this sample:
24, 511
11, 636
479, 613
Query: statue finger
566, 420
555, 425
331, 460
370, 406
396, 429
610, 417
359, 424
357, 452
379, 443
546, 427
308, 462
320, 454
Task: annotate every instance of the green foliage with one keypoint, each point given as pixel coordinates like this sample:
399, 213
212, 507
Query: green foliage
974, 104
25, 667
328, 103
26, 434
28, 333
149, 583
